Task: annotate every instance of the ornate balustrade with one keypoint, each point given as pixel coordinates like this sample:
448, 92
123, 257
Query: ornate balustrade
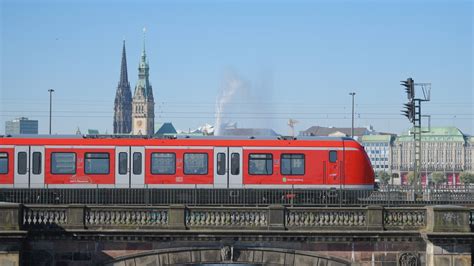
324, 218
404, 218
45, 216
180, 217
217, 217
125, 216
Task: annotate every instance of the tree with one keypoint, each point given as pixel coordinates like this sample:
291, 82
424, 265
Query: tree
438, 178
467, 177
383, 176
411, 178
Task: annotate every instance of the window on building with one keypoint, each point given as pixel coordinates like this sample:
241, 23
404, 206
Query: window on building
292, 164
123, 163
221, 163
137, 163
97, 163
36, 163
195, 164
3, 162
163, 163
22, 163
235, 164
332, 156
260, 164
63, 163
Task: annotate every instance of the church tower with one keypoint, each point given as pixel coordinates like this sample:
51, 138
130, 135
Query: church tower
143, 104
123, 100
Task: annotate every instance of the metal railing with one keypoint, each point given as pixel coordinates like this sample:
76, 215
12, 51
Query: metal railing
385, 196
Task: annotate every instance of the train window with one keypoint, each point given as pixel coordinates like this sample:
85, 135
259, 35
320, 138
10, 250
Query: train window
36, 163
163, 163
332, 156
3, 162
292, 164
123, 161
63, 163
195, 163
235, 163
97, 163
137, 163
22, 161
260, 164
221, 163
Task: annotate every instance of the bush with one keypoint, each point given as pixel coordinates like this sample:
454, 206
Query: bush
383, 176
411, 178
438, 178
467, 177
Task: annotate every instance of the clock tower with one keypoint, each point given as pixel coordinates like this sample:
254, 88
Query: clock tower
143, 104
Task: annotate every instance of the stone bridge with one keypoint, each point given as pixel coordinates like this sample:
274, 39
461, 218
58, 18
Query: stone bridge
273, 235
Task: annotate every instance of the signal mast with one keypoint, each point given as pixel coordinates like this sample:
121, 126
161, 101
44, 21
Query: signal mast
412, 111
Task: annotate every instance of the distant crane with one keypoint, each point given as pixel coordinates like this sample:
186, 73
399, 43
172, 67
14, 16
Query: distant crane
291, 124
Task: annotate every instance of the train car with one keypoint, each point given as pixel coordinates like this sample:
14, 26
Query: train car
196, 162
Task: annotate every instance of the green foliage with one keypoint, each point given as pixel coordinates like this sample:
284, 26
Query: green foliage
467, 177
438, 178
411, 178
383, 176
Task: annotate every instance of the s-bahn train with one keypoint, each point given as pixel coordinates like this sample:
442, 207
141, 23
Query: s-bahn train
188, 162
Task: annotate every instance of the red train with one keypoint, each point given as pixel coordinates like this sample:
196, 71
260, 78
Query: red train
83, 162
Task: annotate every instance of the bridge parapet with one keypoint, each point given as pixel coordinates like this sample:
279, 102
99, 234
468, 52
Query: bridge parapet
436, 235
274, 217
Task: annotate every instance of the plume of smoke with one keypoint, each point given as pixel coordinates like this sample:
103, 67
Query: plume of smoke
238, 97
231, 86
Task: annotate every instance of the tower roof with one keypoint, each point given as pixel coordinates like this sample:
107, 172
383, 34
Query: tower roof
143, 85
123, 69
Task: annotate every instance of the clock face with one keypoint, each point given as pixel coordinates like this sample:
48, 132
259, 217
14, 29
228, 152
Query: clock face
139, 123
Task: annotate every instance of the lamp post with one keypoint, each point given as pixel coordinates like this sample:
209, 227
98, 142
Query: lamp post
50, 107
352, 127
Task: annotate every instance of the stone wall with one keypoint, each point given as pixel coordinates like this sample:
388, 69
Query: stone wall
126, 235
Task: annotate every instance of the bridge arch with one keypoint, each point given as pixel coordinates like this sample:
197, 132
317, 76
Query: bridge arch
226, 255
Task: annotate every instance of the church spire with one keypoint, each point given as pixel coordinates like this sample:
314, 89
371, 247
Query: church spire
123, 100
144, 39
143, 104
143, 73
123, 69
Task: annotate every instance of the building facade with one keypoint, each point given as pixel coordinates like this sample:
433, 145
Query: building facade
143, 104
469, 154
337, 131
379, 150
443, 149
123, 100
21, 125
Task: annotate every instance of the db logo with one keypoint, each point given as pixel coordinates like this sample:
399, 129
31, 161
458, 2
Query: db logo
179, 179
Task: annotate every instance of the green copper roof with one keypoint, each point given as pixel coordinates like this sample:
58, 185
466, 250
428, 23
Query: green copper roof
436, 134
376, 138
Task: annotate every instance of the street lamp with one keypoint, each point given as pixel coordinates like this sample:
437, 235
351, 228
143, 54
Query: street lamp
352, 128
50, 107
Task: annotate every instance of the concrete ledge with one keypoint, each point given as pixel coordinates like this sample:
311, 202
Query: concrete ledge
10, 216
447, 218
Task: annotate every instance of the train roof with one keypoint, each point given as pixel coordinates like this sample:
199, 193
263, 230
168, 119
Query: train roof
35, 136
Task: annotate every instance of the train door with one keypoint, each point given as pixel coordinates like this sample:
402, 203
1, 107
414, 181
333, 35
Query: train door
22, 165
235, 167
122, 167
227, 167
37, 162
333, 169
130, 167
137, 163
221, 173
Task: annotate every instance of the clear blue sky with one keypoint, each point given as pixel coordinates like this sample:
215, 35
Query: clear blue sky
300, 59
